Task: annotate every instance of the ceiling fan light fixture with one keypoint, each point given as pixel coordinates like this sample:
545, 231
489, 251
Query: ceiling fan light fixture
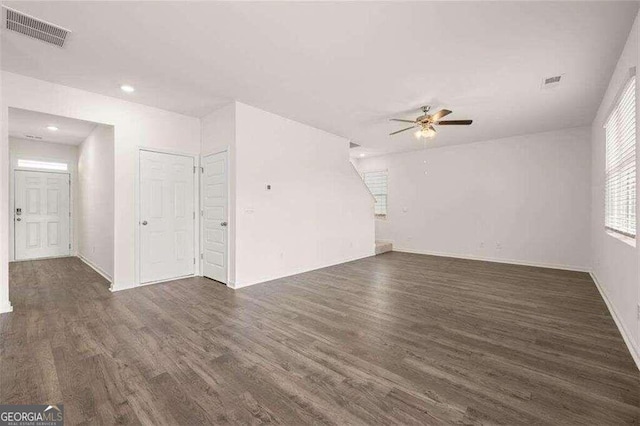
426, 123
427, 133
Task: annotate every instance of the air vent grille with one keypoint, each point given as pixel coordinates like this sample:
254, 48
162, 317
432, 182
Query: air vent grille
35, 28
551, 80
33, 137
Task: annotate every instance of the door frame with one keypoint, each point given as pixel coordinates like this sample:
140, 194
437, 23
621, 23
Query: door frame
136, 221
71, 170
12, 211
230, 222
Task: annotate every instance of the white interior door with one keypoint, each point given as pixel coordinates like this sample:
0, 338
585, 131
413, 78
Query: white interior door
41, 215
215, 200
167, 216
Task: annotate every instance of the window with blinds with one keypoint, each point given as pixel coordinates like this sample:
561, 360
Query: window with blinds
377, 184
620, 171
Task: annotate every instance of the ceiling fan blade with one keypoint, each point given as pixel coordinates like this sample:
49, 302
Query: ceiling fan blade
454, 122
438, 115
403, 130
402, 121
433, 129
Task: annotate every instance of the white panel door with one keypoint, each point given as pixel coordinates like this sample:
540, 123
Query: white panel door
167, 216
215, 200
41, 215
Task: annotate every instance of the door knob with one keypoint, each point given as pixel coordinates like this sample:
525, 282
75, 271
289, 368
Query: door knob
223, 223
144, 222
18, 219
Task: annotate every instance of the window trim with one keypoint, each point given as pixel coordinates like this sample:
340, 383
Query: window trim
621, 237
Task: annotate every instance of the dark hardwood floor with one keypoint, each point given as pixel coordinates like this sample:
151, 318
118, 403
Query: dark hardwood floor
392, 339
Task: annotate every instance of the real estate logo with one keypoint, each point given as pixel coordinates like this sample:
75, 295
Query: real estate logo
31, 415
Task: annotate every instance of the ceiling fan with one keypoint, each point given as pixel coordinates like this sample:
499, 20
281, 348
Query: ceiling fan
426, 122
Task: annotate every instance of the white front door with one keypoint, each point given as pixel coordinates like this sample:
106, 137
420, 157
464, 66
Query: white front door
41, 215
167, 216
214, 192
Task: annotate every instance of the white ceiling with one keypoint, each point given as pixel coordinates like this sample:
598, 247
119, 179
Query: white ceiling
70, 131
342, 67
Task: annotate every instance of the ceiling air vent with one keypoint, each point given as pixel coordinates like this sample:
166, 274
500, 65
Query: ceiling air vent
33, 137
550, 82
34, 28
353, 145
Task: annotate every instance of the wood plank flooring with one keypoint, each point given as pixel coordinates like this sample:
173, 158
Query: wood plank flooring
392, 339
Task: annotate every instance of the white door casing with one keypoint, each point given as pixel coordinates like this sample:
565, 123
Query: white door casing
167, 216
215, 217
41, 215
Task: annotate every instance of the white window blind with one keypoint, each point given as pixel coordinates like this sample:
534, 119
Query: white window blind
620, 171
377, 184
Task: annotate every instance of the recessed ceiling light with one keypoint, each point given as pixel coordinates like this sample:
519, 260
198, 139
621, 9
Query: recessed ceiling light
362, 155
52, 128
127, 88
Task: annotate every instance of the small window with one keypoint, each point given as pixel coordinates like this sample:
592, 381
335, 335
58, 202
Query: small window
620, 170
31, 164
377, 184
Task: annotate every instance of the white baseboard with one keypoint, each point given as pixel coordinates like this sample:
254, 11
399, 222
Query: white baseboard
4, 309
134, 285
42, 258
95, 268
237, 286
626, 336
495, 260
121, 287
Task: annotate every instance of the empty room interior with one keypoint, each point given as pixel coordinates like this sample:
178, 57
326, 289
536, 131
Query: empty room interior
319, 212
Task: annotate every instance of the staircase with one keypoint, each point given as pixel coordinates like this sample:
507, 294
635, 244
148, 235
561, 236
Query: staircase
383, 247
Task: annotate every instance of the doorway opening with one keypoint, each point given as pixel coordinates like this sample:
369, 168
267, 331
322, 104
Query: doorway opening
61, 189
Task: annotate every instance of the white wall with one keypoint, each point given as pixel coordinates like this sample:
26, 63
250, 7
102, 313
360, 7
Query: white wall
317, 213
219, 134
135, 126
43, 151
95, 200
5, 304
522, 199
614, 261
